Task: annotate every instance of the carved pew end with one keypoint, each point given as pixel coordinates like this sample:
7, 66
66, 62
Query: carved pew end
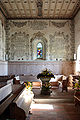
16, 112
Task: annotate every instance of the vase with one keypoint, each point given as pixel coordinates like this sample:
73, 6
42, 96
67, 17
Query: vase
45, 79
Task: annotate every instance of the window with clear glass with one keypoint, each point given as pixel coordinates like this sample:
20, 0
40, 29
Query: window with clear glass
39, 50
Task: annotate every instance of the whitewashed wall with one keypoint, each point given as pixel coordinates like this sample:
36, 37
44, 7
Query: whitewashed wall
35, 67
3, 68
77, 31
77, 42
2, 36
58, 36
3, 63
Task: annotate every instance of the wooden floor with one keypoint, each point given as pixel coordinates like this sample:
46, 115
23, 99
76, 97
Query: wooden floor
58, 106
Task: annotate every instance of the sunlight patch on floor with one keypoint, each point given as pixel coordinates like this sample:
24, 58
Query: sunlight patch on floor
42, 106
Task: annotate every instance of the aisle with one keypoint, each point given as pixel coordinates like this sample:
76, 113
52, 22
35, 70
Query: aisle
59, 111
50, 108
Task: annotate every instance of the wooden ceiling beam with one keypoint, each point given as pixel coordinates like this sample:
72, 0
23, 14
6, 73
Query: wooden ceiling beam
36, 7
3, 10
61, 8
67, 8
30, 7
12, 9
17, 7
23, 7
39, 7
39, 18
42, 10
55, 9
74, 10
49, 8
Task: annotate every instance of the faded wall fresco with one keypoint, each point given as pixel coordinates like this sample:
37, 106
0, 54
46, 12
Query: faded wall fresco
23, 36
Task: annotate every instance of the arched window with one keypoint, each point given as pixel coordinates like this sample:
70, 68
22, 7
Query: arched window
78, 60
39, 50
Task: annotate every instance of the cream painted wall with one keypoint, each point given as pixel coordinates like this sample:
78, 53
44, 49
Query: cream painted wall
35, 67
23, 36
2, 36
77, 31
58, 36
3, 63
3, 68
77, 42
20, 42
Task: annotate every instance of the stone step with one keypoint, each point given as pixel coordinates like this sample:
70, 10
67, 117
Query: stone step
50, 101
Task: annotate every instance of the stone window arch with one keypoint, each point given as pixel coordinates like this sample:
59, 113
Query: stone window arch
38, 38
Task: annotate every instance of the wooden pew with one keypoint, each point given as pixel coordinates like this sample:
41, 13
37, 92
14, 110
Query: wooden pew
77, 100
18, 105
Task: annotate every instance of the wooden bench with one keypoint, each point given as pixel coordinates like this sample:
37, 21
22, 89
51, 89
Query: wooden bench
17, 104
9, 99
77, 101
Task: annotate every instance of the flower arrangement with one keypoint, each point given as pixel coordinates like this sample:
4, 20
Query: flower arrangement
45, 77
45, 73
77, 86
28, 85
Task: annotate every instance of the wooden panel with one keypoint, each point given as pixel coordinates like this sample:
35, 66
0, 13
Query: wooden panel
50, 8
57, 67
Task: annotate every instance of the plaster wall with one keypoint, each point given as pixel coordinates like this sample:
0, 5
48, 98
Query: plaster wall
77, 31
2, 36
3, 63
35, 67
77, 42
3, 68
57, 35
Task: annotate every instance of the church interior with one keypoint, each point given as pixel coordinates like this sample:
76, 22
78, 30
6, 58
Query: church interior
39, 59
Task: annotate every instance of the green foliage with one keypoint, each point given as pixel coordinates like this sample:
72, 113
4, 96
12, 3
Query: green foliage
77, 86
45, 73
28, 85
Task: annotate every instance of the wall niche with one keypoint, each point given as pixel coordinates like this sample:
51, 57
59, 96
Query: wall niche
38, 38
